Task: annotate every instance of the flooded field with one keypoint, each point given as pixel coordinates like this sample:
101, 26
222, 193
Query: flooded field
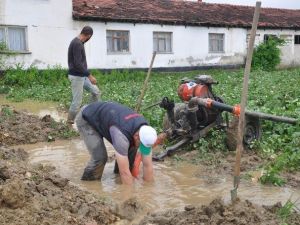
37, 108
176, 185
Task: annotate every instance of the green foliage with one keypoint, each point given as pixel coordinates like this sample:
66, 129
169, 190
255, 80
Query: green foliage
6, 112
266, 56
213, 142
32, 77
271, 177
4, 89
4, 54
285, 212
3, 48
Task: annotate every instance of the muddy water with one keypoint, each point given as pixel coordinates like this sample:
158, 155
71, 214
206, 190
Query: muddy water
175, 185
38, 108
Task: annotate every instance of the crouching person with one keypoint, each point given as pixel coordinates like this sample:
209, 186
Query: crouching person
126, 130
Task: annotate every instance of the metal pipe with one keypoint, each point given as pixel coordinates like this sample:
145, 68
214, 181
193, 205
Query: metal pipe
265, 116
209, 103
171, 149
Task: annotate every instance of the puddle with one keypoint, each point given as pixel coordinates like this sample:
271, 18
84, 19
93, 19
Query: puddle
38, 108
175, 186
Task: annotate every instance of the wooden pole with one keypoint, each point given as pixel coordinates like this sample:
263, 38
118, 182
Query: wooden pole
139, 102
241, 125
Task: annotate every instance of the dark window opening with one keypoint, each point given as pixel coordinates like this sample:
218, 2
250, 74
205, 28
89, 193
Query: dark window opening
268, 36
297, 39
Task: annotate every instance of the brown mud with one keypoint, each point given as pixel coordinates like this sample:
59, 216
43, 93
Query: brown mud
222, 164
36, 195
217, 212
18, 127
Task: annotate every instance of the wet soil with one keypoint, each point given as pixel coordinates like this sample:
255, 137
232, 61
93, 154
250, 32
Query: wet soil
36, 195
18, 127
217, 212
222, 164
41, 109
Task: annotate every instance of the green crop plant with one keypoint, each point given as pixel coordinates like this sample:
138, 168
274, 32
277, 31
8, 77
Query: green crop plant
286, 210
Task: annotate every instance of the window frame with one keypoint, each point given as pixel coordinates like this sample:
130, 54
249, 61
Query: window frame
6, 38
223, 44
267, 36
297, 36
171, 42
117, 52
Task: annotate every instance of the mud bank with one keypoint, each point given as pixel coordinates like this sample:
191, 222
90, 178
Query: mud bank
222, 164
22, 128
36, 195
239, 213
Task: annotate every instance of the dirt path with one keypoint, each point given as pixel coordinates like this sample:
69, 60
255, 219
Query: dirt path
21, 128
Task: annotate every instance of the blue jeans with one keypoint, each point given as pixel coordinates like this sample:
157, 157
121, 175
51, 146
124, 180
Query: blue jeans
77, 86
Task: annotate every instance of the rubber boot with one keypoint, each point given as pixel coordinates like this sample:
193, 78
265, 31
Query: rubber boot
94, 98
71, 117
95, 174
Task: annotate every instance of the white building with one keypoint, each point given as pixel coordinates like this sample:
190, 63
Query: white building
185, 34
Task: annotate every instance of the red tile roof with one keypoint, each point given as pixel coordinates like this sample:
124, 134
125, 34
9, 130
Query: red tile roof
182, 13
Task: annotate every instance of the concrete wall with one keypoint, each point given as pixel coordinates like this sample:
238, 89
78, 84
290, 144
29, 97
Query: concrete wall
50, 28
290, 53
190, 47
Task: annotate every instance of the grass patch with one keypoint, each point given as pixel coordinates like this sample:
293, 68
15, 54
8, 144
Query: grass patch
286, 211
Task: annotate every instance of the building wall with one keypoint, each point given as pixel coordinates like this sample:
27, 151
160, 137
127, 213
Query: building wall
290, 53
50, 28
190, 47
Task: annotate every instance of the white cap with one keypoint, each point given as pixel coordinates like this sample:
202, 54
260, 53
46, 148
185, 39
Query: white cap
148, 135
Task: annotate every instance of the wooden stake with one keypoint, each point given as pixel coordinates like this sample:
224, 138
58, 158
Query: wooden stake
241, 125
143, 91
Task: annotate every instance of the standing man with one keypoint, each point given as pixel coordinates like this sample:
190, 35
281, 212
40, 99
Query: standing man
79, 76
126, 130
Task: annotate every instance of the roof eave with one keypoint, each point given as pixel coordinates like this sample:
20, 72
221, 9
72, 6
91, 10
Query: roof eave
174, 23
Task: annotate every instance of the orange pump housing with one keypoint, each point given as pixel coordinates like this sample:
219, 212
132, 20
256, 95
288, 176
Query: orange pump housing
188, 90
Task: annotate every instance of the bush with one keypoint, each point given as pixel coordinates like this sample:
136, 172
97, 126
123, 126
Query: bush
266, 56
32, 76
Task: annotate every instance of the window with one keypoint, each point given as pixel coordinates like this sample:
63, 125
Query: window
14, 38
117, 41
216, 43
288, 39
268, 36
297, 39
162, 42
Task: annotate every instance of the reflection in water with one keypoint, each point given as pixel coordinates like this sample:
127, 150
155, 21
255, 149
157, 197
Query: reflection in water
38, 108
174, 187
